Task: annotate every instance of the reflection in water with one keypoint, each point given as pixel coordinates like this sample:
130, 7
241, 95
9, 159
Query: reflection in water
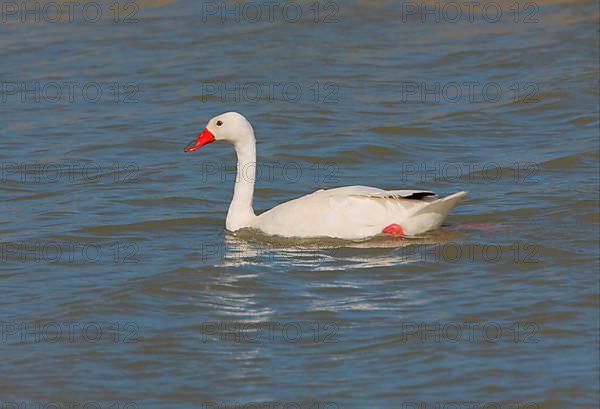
249, 247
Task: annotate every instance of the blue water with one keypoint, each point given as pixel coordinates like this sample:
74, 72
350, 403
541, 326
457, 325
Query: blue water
106, 225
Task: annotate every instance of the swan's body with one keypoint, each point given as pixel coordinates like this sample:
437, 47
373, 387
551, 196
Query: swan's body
355, 212
351, 212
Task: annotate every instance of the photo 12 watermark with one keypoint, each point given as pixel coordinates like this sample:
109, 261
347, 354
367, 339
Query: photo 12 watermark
518, 173
67, 405
459, 253
470, 332
69, 92
452, 12
54, 12
69, 252
270, 332
284, 172
68, 172
270, 91
269, 405
472, 92
270, 12
466, 404
69, 332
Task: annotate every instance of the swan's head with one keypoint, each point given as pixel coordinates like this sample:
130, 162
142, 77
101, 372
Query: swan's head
231, 127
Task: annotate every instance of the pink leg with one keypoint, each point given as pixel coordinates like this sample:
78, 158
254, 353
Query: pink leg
394, 230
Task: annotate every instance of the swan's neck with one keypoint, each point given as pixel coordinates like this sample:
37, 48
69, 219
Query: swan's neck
240, 213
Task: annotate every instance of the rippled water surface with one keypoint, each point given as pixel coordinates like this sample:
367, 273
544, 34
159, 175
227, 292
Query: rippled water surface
119, 283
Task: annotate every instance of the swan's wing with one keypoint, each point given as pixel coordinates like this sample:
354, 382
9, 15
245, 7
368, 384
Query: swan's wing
350, 212
375, 193
405, 194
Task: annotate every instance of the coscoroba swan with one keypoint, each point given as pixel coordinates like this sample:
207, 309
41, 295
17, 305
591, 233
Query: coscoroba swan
351, 212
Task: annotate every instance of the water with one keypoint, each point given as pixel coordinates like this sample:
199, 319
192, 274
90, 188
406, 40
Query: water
106, 225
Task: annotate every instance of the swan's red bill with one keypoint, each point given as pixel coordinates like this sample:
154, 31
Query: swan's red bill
204, 138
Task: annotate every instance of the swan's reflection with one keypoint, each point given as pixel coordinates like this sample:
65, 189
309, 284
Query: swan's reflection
252, 248
241, 282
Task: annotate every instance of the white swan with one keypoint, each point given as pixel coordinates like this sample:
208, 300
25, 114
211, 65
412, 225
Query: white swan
351, 212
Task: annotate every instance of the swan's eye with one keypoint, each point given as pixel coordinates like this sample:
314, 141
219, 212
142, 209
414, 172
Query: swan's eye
219, 123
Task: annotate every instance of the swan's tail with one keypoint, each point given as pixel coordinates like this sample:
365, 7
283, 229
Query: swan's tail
432, 214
